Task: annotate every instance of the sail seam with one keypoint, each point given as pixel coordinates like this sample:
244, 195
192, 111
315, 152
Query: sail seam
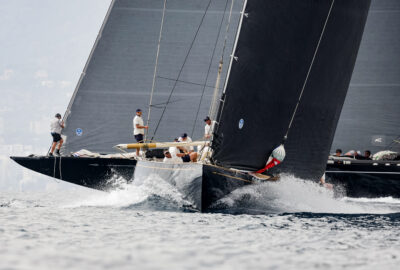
155, 68
309, 69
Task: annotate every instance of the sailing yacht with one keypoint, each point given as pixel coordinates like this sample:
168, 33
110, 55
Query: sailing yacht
270, 74
371, 112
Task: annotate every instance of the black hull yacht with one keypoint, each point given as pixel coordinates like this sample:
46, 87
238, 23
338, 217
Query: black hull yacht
206, 184
277, 99
365, 178
201, 184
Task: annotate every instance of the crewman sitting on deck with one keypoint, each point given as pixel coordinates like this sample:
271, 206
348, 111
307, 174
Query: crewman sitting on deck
169, 158
338, 153
366, 156
182, 152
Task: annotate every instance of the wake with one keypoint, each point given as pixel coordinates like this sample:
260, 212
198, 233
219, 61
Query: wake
292, 195
152, 194
288, 195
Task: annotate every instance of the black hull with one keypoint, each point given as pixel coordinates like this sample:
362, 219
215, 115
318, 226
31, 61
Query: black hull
365, 178
96, 173
201, 185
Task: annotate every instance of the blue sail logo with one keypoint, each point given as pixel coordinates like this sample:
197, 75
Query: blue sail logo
78, 132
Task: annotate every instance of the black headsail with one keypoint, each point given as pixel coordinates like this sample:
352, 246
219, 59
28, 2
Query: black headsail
286, 48
371, 112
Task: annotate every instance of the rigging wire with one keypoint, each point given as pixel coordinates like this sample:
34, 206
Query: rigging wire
209, 66
214, 100
309, 71
230, 65
187, 82
181, 69
155, 68
394, 142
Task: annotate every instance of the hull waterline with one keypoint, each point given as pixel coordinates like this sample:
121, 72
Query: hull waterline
96, 173
203, 185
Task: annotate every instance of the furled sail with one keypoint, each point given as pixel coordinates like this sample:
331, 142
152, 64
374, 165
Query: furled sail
118, 76
371, 112
286, 50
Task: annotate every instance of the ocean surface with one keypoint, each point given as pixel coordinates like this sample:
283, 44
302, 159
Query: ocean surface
294, 224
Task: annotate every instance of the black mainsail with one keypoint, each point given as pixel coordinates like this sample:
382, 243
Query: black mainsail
285, 47
118, 76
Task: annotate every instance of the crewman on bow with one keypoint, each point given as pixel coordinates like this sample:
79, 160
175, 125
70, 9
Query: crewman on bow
56, 127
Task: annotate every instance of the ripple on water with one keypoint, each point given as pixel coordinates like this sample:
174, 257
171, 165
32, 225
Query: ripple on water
302, 226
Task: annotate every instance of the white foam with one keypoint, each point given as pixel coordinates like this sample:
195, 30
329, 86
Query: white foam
387, 200
131, 194
291, 194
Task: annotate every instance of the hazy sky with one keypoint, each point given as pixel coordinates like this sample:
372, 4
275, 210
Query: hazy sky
44, 47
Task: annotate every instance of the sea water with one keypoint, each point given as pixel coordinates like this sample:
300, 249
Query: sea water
290, 224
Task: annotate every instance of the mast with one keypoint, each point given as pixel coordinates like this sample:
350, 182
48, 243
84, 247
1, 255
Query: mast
232, 56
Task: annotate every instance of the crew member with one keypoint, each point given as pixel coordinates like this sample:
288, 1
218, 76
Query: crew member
367, 155
185, 138
171, 158
138, 128
56, 126
338, 153
182, 154
208, 128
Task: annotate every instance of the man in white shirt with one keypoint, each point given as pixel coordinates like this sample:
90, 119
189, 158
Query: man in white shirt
181, 153
185, 138
56, 125
171, 156
208, 128
208, 133
138, 128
